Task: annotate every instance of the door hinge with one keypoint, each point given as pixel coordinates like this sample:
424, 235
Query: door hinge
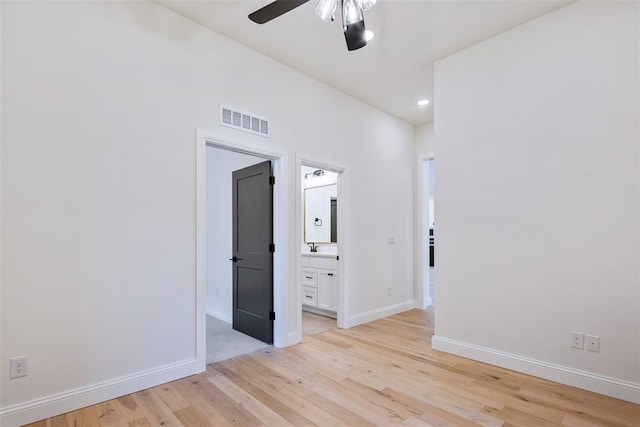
337, 258
272, 180
272, 247
272, 315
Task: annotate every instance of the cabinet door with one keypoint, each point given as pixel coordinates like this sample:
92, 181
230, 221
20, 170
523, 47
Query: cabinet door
327, 281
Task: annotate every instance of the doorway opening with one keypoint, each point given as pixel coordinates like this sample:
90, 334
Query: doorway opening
428, 243
208, 144
223, 341
320, 243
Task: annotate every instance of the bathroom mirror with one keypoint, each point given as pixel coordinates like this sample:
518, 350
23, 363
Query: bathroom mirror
320, 213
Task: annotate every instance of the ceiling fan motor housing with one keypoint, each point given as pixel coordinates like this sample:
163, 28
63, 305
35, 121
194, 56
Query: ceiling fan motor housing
354, 35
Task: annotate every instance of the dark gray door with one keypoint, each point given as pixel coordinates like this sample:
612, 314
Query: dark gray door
252, 251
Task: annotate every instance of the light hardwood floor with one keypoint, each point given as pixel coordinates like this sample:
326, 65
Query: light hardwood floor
382, 373
314, 323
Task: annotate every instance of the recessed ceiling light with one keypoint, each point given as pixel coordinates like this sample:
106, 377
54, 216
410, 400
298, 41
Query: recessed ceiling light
368, 35
423, 102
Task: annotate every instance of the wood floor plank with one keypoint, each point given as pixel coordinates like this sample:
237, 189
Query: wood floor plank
339, 411
382, 373
249, 402
573, 421
415, 422
288, 390
198, 401
156, 412
266, 397
170, 396
223, 403
190, 416
390, 414
424, 405
139, 422
109, 414
59, 421
129, 409
83, 417
331, 390
512, 416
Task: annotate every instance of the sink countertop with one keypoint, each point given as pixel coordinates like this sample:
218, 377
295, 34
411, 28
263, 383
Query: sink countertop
319, 254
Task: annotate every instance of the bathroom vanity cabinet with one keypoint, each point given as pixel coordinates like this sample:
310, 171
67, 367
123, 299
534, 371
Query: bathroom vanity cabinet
320, 284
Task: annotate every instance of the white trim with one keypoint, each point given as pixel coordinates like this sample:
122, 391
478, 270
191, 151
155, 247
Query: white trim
379, 313
219, 316
200, 230
280, 226
601, 384
320, 311
420, 239
55, 404
343, 312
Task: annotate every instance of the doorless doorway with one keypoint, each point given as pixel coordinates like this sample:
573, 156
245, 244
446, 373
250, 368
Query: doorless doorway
321, 242
204, 142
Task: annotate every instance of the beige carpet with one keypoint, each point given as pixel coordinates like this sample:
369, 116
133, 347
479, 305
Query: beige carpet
223, 342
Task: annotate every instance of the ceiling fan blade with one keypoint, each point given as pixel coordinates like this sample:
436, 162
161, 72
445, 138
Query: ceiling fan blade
275, 9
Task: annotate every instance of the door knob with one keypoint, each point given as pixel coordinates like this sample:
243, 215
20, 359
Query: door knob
235, 259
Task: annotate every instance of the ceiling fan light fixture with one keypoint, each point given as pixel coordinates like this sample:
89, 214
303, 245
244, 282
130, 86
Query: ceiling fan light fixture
351, 13
326, 9
366, 4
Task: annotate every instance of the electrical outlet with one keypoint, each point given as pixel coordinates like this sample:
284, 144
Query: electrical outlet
593, 343
577, 340
389, 291
18, 367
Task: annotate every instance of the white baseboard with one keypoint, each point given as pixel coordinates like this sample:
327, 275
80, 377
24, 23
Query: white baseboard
320, 311
379, 313
601, 384
423, 305
219, 316
49, 406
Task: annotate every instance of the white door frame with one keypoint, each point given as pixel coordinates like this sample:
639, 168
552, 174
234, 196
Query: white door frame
279, 157
422, 295
343, 238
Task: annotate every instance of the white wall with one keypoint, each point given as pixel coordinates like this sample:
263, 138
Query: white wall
101, 101
538, 192
219, 272
425, 140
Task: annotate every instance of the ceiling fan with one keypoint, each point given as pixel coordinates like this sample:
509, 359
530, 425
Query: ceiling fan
352, 16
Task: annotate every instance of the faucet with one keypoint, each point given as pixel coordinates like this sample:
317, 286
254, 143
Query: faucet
313, 247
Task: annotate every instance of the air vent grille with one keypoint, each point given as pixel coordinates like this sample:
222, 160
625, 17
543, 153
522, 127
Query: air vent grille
244, 121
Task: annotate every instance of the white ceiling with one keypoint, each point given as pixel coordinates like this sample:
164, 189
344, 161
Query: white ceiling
396, 68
